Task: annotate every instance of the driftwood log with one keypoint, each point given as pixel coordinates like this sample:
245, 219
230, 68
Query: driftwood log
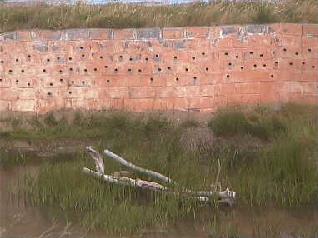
137, 183
130, 165
226, 196
152, 186
99, 163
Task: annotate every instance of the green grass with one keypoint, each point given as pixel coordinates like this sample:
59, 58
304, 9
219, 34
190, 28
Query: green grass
262, 123
126, 16
63, 186
282, 171
97, 205
283, 175
268, 156
8, 160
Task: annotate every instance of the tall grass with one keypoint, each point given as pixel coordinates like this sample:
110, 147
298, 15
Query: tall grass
284, 170
272, 166
8, 160
151, 143
125, 16
262, 123
97, 205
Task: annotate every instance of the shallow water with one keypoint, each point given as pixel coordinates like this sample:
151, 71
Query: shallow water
20, 220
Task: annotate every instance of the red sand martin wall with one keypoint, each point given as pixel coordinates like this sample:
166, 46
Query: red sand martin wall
187, 69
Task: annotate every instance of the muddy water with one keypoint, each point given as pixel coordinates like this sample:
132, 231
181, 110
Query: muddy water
19, 220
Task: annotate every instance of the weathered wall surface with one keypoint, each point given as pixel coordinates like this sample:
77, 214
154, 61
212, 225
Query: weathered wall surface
188, 69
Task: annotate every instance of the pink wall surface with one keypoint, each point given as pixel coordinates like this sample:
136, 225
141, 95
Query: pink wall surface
186, 69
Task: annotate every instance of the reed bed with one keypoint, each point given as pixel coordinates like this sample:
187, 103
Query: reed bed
268, 156
137, 16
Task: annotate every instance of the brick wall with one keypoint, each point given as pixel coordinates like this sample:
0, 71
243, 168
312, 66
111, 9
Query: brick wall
187, 69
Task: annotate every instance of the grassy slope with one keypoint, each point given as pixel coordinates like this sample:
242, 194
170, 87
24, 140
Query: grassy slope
269, 157
125, 16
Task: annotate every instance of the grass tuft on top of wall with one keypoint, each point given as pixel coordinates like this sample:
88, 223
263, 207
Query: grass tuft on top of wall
136, 16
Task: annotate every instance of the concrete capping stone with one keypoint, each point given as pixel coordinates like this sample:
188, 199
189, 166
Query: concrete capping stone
226, 31
160, 33
124, 34
24, 36
45, 35
9, 36
75, 34
173, 33
256, 29
148, 33
197, 32
101, 34
174, 43
288, 28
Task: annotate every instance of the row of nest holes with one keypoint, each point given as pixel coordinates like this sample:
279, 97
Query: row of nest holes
51, 94
108, 81
17, 81
262, 55
152, 79
229, 76
101, 57
157, 56
83, 82
62, 80
51, 83
194, 78
309, 50
159, 69
226, 53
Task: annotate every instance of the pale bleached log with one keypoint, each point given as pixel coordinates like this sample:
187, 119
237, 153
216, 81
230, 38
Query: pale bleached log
138, 183
130, 165
226, 196
98, 159
221, 194
125, 181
